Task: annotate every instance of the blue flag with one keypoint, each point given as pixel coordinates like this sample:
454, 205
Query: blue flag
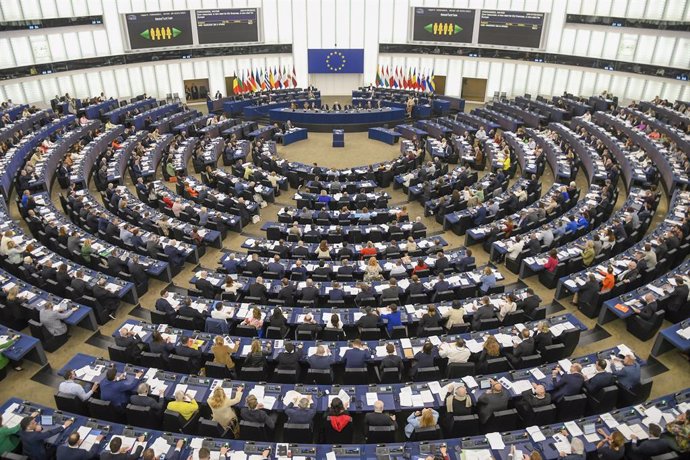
336, 60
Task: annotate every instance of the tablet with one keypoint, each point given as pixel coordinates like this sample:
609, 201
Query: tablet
46, 420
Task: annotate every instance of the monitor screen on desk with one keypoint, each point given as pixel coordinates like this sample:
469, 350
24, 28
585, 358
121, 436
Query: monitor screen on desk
589, 428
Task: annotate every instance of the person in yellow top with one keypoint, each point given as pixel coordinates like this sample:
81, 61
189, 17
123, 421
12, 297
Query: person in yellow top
184, 405
506, 163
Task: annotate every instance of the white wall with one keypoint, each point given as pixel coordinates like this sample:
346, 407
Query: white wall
347, 24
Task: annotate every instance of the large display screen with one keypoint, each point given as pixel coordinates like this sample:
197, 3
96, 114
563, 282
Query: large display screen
159, 29
237, 25
442, 25
510, 28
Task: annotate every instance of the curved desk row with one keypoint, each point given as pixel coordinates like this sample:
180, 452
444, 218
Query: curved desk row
352, 120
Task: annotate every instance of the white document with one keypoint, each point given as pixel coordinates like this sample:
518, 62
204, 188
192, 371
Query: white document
371, 398
573, 428
562, 444
537, 373
625, 431
608, 419
470, 382
477, 454
592, 437
535, 433
426, 395
495, 441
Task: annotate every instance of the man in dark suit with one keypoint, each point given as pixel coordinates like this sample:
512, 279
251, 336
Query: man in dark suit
254, 267
648, 448
418, 225
137, 271
163, 305
465, 261
71, 450
319, 360
310, 293
274, 266
116, 445
107, 299
257, 289
143, 399
524, 348
357, 356
588, 293
601, 379
345, 268
186, 348
322, 269
391, 360
649, 309
441, 285
378, 417
308, 325
485, 311
203, 285
369, 320
175, 256
336, 292
47, 272
494, 399
116, 390
529, 303
131, 342
289, 358
441, 262
345, 251
255, 413
301, 410
287, 292
677, 305
34, 437
569, 384
393, 291
534, 245
231, 264
188, 311
480, 216
78, 284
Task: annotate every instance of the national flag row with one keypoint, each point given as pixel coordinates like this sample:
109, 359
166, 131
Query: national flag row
263, 79
397, 77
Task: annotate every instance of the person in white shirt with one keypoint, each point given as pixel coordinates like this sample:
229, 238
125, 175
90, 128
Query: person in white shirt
455, 315
398, 269
70, 387
456, 352
508, 305
218, 313
481, 134
515, 249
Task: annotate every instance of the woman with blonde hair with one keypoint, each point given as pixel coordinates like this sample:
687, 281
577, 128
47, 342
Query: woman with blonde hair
491, 349
372, 271
425, 418
411, 245
221, 408
256, 356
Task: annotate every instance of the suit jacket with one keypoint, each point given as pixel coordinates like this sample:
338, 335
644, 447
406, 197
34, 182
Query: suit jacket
391, 361
483, 312
131, 346
532, 401
117, 392
310, 293
377, 419
288, 361
258, 290
355, 357
488, 403
194, 355
65, 452
33, 442
297, 415
368, 321
147, 401
647, 312
206, 287
567, 385
678, 298
319, 362
257, 416
599, 381
108, 455
642, 450
529, 304
391, 292
524, 348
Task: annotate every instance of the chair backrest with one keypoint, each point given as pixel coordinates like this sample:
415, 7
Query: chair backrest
465, 425
331, 436
571, 407
497, 365
300, 433
430, 433
355, 375
216, 326
142, 416
502, 420
544, 415
70, 403
320, 376
173, 422
244, 330
380, 434
553, 353
604, 400
101, 409
370, 333
285, 376
427, 374
460, 370
274, 332
181, 364
216, 370
490, 323
254, 374
389, 375
253, 431
154, 360
118, 353
210, 428
398, 332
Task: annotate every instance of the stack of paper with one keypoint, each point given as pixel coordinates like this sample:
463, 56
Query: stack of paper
495, 441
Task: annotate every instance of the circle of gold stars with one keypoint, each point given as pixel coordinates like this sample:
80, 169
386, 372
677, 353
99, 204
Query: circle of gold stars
336, 67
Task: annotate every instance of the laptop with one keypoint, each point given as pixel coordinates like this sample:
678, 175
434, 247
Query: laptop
589, 428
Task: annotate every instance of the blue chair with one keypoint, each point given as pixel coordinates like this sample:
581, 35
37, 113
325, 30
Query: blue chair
216, 326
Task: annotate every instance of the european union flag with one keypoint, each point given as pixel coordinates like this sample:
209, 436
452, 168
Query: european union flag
336, 60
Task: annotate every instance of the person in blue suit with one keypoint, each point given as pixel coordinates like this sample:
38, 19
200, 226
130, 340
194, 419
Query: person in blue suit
71, 450
601, 379
357, 356
231, 264
480, 216
301, 410
571, 226
117, 390
629, 375
175, 256
336, 293
33, 437
393, 318
569, 384
441, 284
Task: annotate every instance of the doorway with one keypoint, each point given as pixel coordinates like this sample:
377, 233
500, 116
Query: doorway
474, 89
440, 84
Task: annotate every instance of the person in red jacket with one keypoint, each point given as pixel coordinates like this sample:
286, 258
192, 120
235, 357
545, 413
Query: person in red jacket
552, 261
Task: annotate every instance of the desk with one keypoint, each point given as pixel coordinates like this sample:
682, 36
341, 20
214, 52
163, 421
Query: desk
356, 119
260, 111
338, 138
294, 135
263, 134
389, 136
410, 132
668, 339
26, 347
95, 110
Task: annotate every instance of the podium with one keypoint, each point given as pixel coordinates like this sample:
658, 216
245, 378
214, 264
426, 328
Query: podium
338, 138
